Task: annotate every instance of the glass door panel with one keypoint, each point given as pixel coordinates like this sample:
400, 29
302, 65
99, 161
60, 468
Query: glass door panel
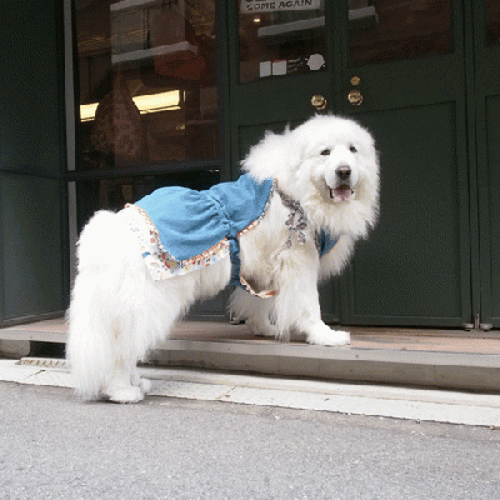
280, 38
388, 30
492, 22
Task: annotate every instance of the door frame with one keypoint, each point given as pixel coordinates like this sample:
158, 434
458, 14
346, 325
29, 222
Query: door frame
484, 83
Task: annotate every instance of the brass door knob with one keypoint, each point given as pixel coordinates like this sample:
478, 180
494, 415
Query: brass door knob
319, 102
355, 97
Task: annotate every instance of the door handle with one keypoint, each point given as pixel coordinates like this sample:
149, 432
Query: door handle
319, 101
355, 97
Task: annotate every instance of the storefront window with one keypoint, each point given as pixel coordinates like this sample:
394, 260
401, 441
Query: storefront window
281, 38
146, 82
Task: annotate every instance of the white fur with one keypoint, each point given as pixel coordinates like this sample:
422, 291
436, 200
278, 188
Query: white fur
118, 313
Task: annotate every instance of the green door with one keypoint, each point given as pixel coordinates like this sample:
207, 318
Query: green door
403, 75
486, 107
399, 68
280, 56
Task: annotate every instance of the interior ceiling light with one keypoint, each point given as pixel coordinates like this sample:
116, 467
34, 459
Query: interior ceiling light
153, 103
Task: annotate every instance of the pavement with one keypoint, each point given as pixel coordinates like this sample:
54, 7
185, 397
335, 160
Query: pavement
425, 375
56, 447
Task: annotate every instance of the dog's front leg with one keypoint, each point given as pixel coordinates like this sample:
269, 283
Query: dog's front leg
297, 307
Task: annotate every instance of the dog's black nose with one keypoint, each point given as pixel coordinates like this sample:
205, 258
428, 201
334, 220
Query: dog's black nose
344, 173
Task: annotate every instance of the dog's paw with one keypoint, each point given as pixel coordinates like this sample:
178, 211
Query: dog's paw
124, 394
145, 385
324, 335
265, 329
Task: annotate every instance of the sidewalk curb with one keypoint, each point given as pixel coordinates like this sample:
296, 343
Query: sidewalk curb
383, 401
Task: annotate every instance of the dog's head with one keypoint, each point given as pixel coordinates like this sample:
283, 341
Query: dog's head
328, 164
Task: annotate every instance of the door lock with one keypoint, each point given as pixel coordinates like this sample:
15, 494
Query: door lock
319, 102
355, 97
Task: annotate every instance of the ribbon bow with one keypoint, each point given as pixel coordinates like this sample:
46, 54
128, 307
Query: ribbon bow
296, 221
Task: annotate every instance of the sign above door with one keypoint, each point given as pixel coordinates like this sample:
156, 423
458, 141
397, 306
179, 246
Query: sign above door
261, 6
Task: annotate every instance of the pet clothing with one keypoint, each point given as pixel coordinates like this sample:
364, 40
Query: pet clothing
181, 230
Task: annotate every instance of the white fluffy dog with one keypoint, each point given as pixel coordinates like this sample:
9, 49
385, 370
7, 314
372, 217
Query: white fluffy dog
317, 190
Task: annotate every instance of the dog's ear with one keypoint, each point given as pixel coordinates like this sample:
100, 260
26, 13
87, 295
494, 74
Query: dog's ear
274, 157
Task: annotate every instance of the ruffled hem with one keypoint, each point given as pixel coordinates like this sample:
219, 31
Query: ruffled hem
160, 263
258, 220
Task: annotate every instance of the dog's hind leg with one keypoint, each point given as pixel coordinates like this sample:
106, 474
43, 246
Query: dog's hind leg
124, 383
256, 312
120, 388
101, 360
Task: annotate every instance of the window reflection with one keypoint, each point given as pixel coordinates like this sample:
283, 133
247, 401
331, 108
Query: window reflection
386, 30
281, 38
492, 22
146, 81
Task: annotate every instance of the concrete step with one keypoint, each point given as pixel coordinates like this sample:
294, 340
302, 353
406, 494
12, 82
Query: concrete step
429, 358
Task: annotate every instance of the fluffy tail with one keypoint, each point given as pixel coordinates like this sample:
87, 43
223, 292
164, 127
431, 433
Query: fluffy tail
89, 347
95, 303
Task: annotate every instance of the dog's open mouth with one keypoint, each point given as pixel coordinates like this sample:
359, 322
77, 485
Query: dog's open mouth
341, 193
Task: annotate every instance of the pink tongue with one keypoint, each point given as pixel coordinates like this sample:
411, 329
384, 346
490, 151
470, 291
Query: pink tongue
342, 193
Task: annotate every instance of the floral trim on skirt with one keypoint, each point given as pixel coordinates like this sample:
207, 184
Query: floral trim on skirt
161, 264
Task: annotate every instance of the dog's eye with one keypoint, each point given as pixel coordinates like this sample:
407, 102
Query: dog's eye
352, 149
325, 152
